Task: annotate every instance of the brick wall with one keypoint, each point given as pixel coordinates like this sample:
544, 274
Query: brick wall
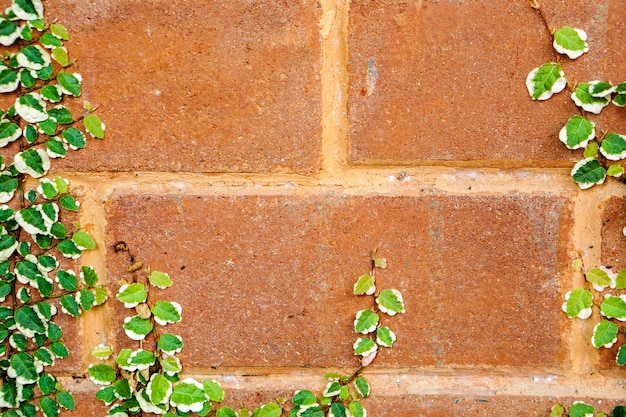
259, 150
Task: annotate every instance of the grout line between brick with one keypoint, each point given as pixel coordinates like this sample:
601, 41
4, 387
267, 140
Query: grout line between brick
335, 81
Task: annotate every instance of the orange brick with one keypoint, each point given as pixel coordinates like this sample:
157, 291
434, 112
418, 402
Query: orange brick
446, 80
267, 280
231, 86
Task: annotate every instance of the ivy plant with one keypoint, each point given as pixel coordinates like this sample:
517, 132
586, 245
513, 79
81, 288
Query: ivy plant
144, 380
603, 157
38, 242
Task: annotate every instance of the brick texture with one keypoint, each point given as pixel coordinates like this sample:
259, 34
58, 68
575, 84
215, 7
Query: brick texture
230, 86
444, 81
235, 257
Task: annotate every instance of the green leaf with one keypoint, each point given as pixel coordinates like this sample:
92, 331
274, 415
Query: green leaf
137, 328
599, 277
56, 148
48, 126
59, 231
356, 409
578, 303
166, 312
70, 306
570, 41
59, 31
69, 203
54, 333
604, 334
364, 346
613, 147
102, 352
47, 384
70, 83
159, 389
68, 249
28, 322
601, 88
34, 162
74, 137
583, 98
160, 279
8, 132
226, 412
94, 126
304, 397
581, 409
59, 350
188, 396
102, 374
49, 407
332, 389
106, 394
67, 280
385, 337
171, 365
365, 285
312, 411
28, 9
614, 307
50, 41
9, 32
132, 294
619, 411
620, 279
270, 410
86, 299
101, 294
615, 170
23, 368
213, 390
83, 240
362, 386
577, 132
544, 81
33, 57
60, 56
620, 100
61, 114
66, 400
588, 172
366, 321
52, 93
337, 410
390, 302
621, 356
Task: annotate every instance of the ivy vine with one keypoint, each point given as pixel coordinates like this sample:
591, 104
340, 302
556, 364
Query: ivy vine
36, 232
603, 157
148, 380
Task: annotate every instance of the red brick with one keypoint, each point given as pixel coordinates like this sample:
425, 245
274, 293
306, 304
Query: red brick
267, 279
613, 249
229, 86
473, 406
451, 79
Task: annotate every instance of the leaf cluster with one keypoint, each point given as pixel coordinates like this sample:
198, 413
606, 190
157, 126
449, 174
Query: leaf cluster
35, 282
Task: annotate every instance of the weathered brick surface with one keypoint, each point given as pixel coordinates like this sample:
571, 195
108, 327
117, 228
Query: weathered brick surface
613, 251
267, 279
447, 79
473, 406
204, 87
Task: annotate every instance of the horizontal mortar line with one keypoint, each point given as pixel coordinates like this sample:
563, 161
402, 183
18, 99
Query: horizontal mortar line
381, 181
474, 163
403, 382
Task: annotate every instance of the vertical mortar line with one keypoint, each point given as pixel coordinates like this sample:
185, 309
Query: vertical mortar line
92, 217
335, 126
587, 243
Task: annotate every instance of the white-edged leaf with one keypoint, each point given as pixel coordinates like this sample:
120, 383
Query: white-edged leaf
167, 312
188, 395
546, 80
34, 162
390, 301
160, 279
600, 278
365, 285
102, 374
614, 307
578, 303
583, 98
366, 321
385, 337
604, 334
570, 41
364, 346
588, 172
132, 294
613, 147
577, 132
137, 328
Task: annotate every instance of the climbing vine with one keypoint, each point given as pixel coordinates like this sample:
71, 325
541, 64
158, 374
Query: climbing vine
38, 241
148, 380
603, 157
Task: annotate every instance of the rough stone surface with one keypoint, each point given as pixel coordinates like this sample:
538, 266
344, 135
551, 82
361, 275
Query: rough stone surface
212, 86
445, 80
267, 279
